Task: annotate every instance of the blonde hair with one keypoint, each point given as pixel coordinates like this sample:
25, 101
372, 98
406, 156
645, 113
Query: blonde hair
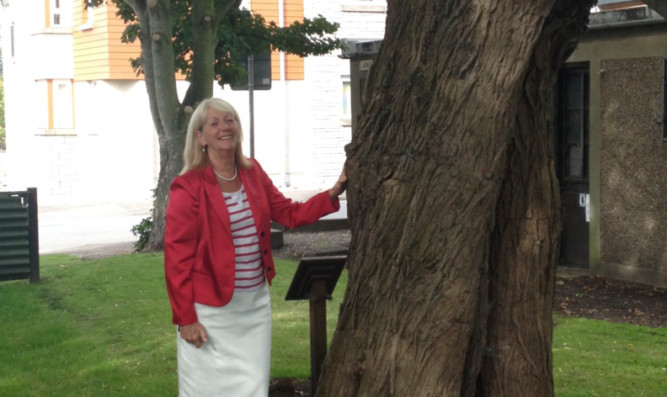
193, 154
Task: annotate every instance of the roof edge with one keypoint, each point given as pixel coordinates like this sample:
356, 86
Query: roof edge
624, 17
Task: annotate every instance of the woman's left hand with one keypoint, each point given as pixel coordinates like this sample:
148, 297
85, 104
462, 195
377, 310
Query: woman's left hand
340, 186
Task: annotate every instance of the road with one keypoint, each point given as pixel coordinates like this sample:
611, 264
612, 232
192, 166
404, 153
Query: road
70, 230
103, 229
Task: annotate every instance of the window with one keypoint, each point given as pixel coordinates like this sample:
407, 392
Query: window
62, 104
58, 15
11, 34
55, 13
573, 120
87, 18
60, 107
347, 102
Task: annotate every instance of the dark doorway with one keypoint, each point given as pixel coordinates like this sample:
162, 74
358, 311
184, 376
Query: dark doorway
572, 163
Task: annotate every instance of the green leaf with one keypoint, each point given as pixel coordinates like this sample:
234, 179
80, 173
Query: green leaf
239, 33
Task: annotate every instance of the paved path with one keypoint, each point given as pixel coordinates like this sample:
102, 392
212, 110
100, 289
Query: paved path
69, 230
86, 229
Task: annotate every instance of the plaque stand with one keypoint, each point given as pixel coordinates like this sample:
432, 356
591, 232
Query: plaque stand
315, 280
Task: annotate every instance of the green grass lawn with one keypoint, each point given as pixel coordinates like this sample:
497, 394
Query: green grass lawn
103, 328
598, 358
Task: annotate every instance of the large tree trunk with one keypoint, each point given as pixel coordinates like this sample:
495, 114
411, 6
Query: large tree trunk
453, 204
517, 360
171, 163
157, 60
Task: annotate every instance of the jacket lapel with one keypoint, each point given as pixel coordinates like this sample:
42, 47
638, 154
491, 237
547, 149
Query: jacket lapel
214, 196
253, 194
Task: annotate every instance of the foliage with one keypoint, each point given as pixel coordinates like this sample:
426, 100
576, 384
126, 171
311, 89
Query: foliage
102, 327
143, 231
240, 33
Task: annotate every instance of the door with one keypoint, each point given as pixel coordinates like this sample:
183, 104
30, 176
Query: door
572, 163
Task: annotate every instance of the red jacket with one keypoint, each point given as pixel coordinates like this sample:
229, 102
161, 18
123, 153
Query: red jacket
199, 256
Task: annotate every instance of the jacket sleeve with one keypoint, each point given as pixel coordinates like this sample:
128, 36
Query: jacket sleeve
180, 244
293, 214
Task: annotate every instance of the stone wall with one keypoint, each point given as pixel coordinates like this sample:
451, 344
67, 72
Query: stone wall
633, 168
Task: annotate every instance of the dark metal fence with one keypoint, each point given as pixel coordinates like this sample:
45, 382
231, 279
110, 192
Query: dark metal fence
19, 236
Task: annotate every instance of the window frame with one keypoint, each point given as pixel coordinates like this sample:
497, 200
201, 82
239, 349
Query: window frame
564, 169
346, 101
88, 17
55, 13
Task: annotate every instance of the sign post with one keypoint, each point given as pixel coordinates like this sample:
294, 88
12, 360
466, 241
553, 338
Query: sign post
251, 96
259, 78
315, 280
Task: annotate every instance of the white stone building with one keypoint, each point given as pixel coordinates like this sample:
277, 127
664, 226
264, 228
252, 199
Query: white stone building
78, 122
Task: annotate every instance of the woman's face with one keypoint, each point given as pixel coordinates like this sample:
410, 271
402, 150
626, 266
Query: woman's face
220, 131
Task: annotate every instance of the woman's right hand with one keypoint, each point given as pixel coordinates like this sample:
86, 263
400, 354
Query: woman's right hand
339, 187
194, 333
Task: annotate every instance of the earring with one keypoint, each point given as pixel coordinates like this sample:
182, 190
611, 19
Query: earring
203, 149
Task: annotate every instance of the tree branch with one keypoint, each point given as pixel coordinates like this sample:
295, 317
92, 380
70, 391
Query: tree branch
204, 27
136, 5
206, 19
147, 67
162, 50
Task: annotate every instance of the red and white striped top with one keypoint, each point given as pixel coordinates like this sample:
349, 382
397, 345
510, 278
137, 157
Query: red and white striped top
249, 268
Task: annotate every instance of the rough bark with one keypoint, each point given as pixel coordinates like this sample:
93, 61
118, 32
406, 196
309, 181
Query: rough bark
452, 204
156, 42
517, 359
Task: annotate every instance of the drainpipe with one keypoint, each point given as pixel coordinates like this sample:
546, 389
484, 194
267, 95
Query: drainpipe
281, 23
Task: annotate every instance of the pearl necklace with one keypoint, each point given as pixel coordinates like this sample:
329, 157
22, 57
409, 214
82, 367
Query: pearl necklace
236, 173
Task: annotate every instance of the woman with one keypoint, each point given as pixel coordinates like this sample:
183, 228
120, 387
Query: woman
218, 256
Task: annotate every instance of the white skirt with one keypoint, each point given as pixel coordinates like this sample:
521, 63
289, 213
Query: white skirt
236, 360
